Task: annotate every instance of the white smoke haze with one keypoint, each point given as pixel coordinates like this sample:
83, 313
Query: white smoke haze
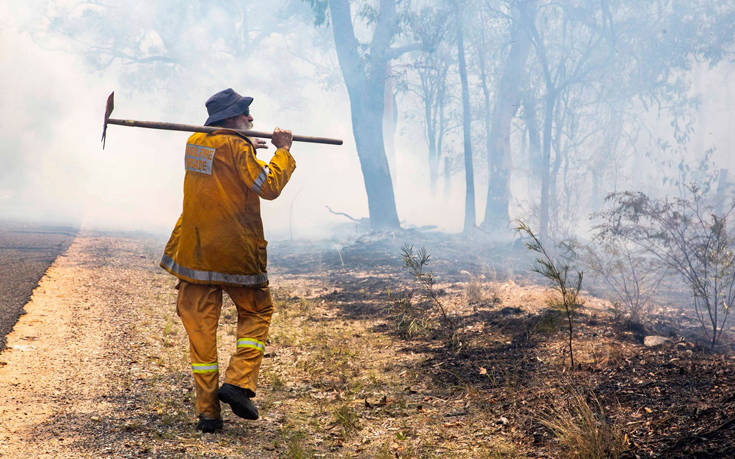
53, 95
52, 113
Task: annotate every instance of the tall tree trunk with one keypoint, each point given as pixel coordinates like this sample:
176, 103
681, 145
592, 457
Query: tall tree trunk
367, 123
554, 206
365, 80
549, 106
431, 142
469, 206
434, 120
432, 73
534, 147
440, 128
487, 109
507, 99
550, 101
389, 126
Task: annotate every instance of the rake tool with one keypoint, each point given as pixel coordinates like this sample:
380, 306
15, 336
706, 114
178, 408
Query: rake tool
193, 128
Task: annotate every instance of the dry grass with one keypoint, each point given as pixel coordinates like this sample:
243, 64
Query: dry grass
473, 291
292, 443
346, 417
478, 291
599, 354
583, 430
409, 319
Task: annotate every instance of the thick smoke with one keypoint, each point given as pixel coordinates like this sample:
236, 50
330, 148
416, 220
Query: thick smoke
52, 111
55, 82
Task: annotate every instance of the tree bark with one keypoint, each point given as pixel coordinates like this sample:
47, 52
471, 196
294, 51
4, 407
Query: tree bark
507, 100
469, 207
534, 147
554, 206
433, 95
365, 81
433, 152
367, 123
549, 107
390, 118
550, 101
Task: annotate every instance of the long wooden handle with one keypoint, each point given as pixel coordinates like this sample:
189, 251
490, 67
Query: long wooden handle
210, 129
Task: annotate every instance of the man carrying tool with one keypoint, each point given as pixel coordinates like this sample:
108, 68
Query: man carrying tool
218, 244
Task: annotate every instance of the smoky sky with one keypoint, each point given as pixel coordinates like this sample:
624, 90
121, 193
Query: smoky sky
61, 59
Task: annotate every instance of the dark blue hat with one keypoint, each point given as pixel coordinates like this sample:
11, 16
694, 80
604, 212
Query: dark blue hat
226, 104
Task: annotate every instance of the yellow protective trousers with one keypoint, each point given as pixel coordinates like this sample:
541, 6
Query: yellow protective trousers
199, 307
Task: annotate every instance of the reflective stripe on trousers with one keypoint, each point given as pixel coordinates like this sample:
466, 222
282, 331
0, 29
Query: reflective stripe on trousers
252, 343
204, 367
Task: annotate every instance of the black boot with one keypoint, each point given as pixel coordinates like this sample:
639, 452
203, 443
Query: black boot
209, 425
239, 400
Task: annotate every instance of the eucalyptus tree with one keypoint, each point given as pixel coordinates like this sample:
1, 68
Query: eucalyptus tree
365, 68
574, 48
507, 97
620, 58
428, 77
470, 220
442, 77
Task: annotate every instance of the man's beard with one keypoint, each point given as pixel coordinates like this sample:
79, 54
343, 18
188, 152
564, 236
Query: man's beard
244, 125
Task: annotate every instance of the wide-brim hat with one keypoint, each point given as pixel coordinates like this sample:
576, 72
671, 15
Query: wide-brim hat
226, 104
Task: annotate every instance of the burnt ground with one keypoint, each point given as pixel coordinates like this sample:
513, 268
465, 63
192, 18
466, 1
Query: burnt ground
26, 251
674, 400
359, 363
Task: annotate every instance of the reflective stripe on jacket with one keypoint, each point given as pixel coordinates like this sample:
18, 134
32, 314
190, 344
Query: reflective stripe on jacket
218, 238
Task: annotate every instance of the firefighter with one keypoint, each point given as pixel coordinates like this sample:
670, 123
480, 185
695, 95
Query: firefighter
218, 244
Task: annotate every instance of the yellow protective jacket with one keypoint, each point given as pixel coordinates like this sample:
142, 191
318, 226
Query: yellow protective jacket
218, 238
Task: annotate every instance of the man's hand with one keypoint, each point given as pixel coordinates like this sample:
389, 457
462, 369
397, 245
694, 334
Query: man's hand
260, 143
282, 138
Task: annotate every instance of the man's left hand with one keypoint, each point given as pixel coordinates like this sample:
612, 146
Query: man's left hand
260, 143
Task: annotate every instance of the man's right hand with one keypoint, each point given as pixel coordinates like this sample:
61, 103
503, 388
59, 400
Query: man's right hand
282, 138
